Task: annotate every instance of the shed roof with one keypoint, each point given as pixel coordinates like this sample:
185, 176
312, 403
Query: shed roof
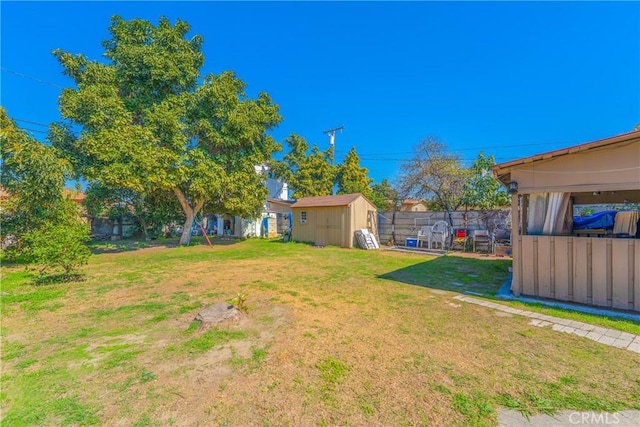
502, 171
342, 200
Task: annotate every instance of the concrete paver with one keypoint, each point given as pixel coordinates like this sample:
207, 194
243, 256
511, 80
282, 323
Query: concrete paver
606, 336
511, 418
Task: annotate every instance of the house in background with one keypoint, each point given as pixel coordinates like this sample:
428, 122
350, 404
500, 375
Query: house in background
233, 225
552, 258
280, 211
333, 220
413, 205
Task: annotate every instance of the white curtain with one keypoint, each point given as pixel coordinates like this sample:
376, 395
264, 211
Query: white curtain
548, 213
536, 213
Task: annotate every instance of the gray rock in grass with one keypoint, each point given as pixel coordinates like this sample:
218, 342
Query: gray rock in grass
218, 313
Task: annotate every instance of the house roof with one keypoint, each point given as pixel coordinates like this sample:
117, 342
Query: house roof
76, 196
341, 200
280, 201
502, 171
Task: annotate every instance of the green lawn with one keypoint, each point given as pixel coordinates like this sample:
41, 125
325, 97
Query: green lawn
332, 337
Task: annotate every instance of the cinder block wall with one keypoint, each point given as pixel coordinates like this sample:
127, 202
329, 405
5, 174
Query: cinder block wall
407, 224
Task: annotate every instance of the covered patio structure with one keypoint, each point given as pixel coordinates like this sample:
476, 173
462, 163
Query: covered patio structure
554, 259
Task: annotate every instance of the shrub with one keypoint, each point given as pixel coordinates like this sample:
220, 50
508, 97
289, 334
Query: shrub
59, 247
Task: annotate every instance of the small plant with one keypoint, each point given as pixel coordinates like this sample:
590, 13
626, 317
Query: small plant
240, 302
147, 376
61, 246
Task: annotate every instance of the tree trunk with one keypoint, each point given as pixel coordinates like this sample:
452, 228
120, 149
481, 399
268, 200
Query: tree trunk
185, 238
143, 228
190, 212
450, 221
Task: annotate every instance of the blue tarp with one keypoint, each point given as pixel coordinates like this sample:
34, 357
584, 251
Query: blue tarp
602, 219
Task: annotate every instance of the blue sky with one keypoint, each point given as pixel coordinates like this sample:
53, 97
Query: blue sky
508, 78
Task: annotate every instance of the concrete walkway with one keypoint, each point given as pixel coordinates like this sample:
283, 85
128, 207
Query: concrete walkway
511, 418
611, 337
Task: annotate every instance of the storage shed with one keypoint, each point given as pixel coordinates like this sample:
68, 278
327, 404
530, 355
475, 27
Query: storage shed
553, 257
332, 220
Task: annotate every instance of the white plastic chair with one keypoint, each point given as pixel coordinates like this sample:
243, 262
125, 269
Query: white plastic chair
424, 235
439, 234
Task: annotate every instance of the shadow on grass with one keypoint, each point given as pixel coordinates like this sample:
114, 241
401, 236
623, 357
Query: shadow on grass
57, 278
290, 242
127, 245
457, 274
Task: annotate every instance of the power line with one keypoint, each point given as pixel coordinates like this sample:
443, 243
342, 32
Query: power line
30, 122
452, 150
386, 159
28, 77
35, 130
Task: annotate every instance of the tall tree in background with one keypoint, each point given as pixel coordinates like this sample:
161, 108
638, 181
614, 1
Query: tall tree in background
147, 125
33, 175
384, 196
150, 211
307, 174
46, 226
434, 174
351, 177
481, 190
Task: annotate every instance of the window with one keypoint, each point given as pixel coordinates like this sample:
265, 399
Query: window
303, 217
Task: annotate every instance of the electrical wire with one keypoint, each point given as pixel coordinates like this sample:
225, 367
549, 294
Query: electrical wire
28, 77
454, 150
363, 156
34, 130
30, 122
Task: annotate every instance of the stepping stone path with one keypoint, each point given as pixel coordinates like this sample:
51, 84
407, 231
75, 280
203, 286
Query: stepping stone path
611, 337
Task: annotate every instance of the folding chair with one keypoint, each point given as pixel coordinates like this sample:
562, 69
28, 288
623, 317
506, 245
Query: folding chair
459, 239
482, 239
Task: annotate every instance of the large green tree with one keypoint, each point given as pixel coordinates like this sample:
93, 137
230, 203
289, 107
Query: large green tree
33, 175
384, 196
307, 173
147, 124
482, 190
151, 211
351, 177
45, 225
436, 175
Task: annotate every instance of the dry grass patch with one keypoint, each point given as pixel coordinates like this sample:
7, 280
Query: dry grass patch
332, 337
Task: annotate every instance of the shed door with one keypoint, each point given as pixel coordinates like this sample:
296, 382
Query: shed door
322, 232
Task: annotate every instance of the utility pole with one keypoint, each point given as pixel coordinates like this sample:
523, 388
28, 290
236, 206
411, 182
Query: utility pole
332, 141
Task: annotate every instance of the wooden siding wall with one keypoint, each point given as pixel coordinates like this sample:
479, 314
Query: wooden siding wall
324, 226
606, 168
335, 225
360, 209
598, 271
